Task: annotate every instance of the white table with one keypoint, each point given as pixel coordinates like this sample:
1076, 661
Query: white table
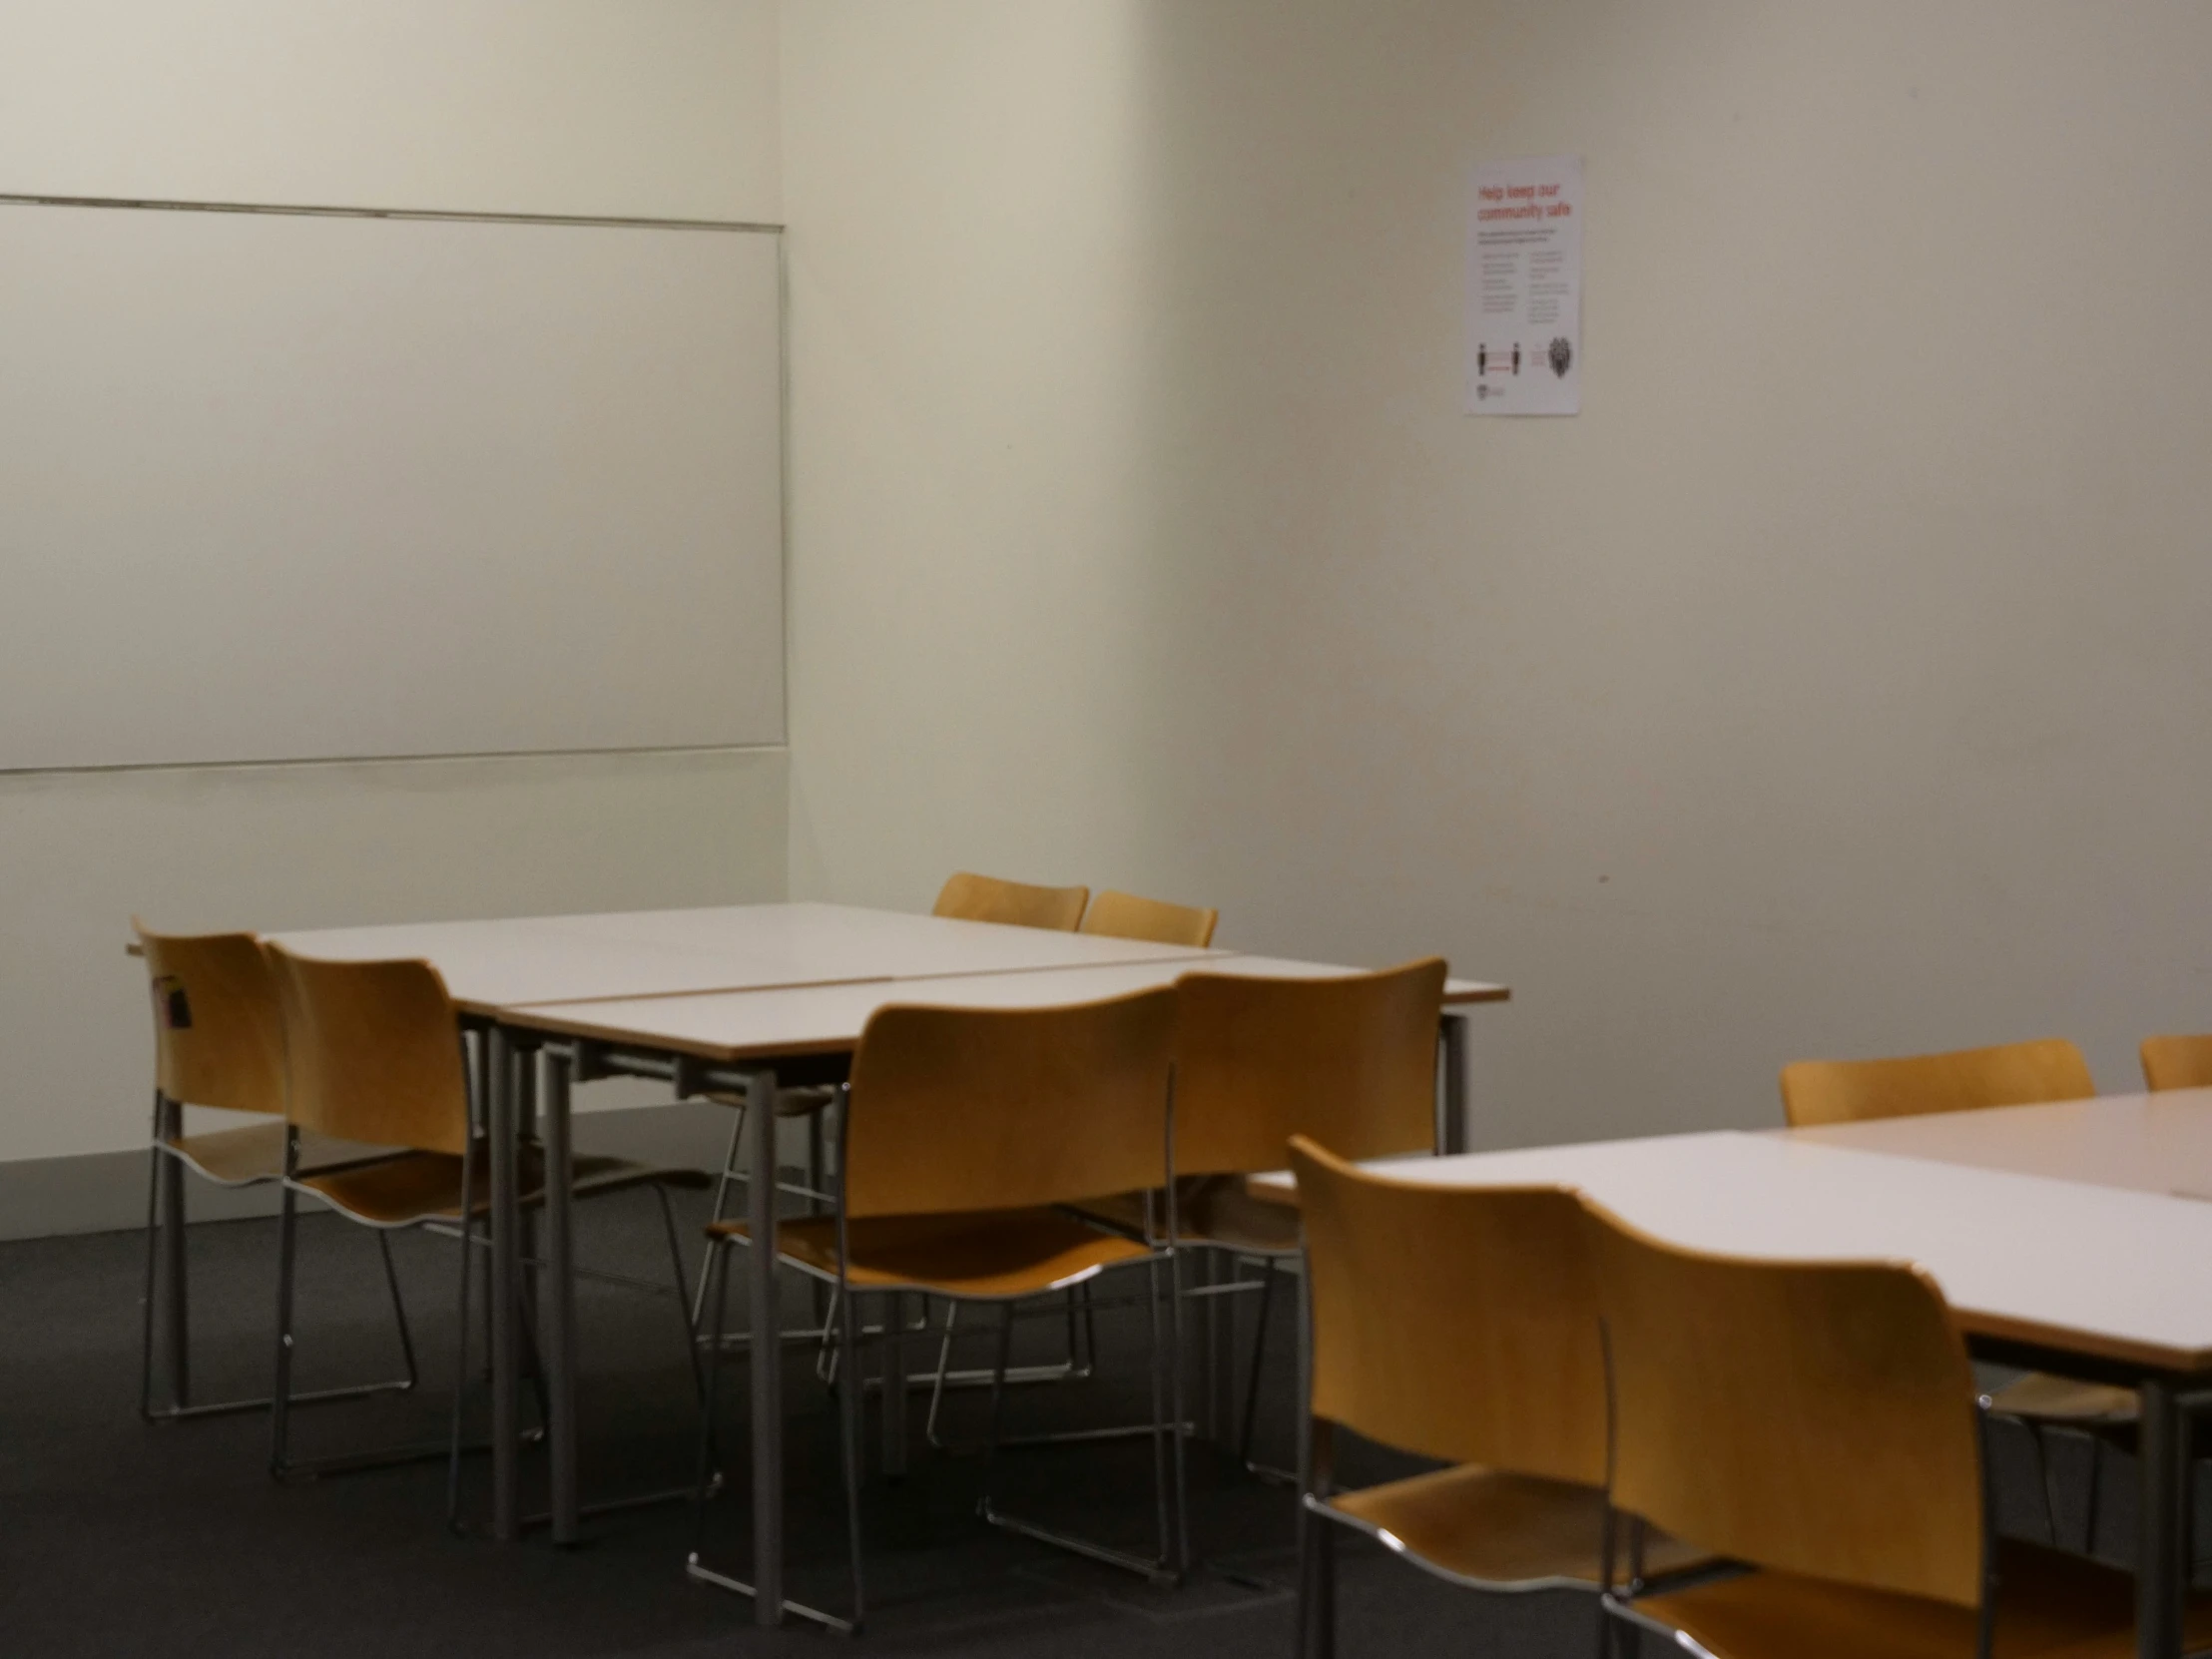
2100, 1278
2147, 1143
490, 965
740, 1041
735, 998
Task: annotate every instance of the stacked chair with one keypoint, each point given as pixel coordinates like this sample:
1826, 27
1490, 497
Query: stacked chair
1460, 1326
1818, 1424
2177, 1063
374, 1052
961, 1135
1350, 1061
219, 1040
1121, 915
965, 897
1818, 1092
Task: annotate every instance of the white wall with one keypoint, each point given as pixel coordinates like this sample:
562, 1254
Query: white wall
653, 107
1834, 685
625, 108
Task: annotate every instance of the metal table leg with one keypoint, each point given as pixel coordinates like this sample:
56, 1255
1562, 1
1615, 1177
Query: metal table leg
558, 1290
506, 1221
2161, 1568
768, 1354
1451, 1106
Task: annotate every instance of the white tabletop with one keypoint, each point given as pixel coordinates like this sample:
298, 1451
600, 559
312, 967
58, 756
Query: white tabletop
490, 966
829, 1019
2149, 1143
2069, 1265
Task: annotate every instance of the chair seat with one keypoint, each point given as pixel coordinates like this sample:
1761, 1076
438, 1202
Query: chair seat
426, 1186
1489, 1527
1216, 1210
2042, 1398
255, 1152
989, 1253
789, 1103
2050, 1606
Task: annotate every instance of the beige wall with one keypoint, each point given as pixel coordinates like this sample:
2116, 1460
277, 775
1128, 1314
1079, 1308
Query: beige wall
1833, 684
536, 106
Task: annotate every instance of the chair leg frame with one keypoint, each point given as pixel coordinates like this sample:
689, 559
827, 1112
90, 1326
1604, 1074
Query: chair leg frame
167, 1281
1171, 1565
282, 1466
706, 1480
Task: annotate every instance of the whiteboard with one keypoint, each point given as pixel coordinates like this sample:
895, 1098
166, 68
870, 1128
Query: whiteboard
280, 487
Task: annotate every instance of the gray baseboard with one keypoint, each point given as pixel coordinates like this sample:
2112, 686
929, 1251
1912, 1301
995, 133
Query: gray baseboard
105, 1192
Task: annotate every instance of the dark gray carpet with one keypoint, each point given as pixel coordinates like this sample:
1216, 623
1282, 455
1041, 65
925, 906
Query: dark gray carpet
116, 1538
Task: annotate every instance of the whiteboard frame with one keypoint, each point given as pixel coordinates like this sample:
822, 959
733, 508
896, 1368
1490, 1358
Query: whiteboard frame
767, 228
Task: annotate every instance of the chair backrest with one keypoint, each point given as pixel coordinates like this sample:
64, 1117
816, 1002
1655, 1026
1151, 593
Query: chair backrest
1123, 916
2177, 1063
1350, 1062
219, 1035
992, 1109
372, 1052
1455, 1323
1816, 1417
2015, 1074
968, 898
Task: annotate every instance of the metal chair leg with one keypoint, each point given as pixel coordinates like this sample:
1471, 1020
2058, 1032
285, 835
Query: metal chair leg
999, 1401
1317, 1543
2042, 1483
1317, 1597
851, 1398
715, 1271
1169, 1355
399, 1310
1259, 1360
279, 1408
2089, 1508
1175, 1400
1165, 1568
153, 1240
693, 1568
683, 1291
723, 1182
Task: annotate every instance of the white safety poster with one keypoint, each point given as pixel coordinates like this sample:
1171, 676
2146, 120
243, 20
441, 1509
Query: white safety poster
1524, 287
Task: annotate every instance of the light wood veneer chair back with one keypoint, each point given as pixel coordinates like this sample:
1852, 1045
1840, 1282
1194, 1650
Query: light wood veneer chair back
962, 1109
1813, 1418
219, 1033
2177, 1063
1457, 1324
1966, 1079
1122, 916
374, 1052
1350, 1062
968, 898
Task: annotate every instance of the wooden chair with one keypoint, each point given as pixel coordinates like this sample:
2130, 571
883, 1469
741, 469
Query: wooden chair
372, 1052
2177, 1063
1349, 1063
2015, 1074
1459, 1324
1122, 916
218, 1041
967, 897
961, 1131
1818, 1424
